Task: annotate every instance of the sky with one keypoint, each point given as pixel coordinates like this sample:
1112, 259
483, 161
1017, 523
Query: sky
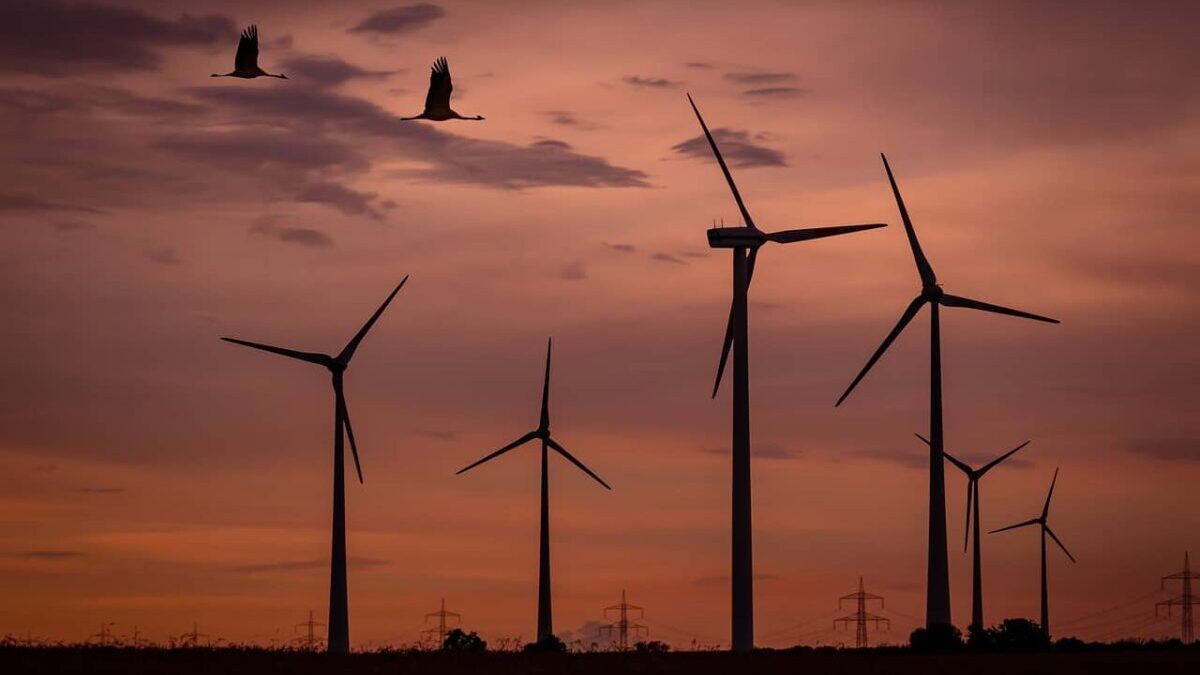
152, 475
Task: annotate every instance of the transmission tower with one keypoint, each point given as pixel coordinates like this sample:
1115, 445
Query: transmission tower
623, 626
310, 638
440, 631
1185, 601
105, 633
193, 638
861, 617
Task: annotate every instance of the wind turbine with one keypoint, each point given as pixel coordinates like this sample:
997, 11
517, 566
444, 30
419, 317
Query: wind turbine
545, 623
937, 599
741, 239
339, 616
1041, 520
973, 477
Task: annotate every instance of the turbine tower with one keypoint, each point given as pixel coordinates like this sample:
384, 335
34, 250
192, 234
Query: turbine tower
741, 240
1041, 520
545, 624
937, 599
339, 616
973, 477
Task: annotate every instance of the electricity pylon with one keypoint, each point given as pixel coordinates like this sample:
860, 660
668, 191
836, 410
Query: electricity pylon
193, 637
310, 639
105, 633
440, 631
623, 626
1185, 601
861, 617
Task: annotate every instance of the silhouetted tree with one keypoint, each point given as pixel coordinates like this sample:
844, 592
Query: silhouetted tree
550, 645
652, 647
1018, 635
936, 638
458, 640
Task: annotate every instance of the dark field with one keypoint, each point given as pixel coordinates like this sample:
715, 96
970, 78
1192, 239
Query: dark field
17, 661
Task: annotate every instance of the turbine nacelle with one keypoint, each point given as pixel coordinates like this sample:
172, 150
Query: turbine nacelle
736, 237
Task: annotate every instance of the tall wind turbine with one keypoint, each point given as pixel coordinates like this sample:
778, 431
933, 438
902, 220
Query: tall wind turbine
741, 240
545, 623
339, 613
937, 598
1041, 520
973, 477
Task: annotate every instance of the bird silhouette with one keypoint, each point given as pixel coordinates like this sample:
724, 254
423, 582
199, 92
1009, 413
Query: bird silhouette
437, 101
245, 64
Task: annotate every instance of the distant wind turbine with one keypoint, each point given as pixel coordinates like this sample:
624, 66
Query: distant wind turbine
973, 478
437, 101
339, 616
245, 64
545, 623
739, 239
937, 599
1041, 520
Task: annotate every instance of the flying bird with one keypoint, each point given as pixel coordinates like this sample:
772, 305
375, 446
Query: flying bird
245, 64
437, 101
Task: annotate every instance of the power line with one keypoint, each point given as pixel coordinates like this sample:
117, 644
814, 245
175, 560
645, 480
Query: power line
623, 626
1185, 601
440, 631
861, 617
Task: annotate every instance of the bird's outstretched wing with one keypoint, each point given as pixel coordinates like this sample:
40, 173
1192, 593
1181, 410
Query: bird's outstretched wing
440, 86
247, 53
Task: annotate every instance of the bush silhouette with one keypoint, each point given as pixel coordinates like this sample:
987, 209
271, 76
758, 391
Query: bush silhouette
550, 645
459, 641
652, 647
939, 637
1017, 635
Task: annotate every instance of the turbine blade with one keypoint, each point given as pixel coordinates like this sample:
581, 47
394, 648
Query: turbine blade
341, 402
909, 313
520, 441
928, 278
311, 357
1046, 508
545, 418
352, 345
1060, 544
967, 529
737, 196
725, 346
563, 451
957, 301
1027, 523
789, 236
963, 466
1001, 458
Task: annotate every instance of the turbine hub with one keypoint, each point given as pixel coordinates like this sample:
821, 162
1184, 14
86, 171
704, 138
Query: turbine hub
932, 292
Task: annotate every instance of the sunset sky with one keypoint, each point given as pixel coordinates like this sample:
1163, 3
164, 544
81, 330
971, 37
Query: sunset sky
1049, 154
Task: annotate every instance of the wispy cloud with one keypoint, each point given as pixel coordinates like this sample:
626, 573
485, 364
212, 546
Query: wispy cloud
623, 248
50, 37
573, 271
348, 201
775, 92
328, 70
569, 119
354, 562
753, 77
1168, 449
668, 258
738, 147
100, 490
399, 20
651, 82
269, 226
164, 255
761, 450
